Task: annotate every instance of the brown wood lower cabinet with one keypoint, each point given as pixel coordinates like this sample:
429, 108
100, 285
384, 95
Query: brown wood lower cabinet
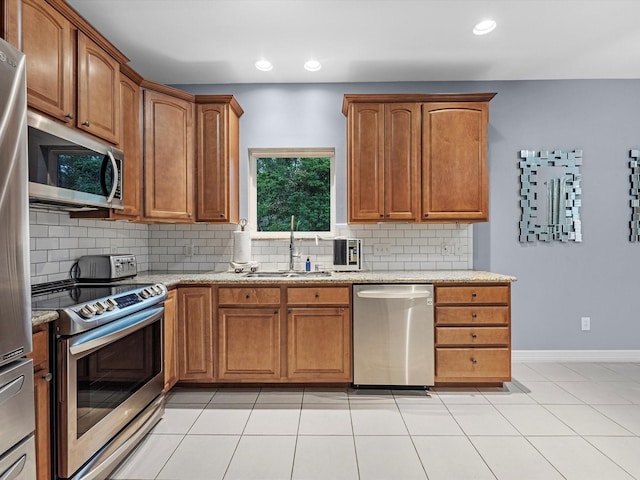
195, 334
249, 344
473, 334
319, 344
257, 342
42, 389
170, 338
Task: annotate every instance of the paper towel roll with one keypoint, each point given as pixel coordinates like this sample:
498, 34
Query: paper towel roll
242, 247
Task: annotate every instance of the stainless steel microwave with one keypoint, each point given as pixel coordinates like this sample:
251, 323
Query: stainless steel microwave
71, 170
347, 254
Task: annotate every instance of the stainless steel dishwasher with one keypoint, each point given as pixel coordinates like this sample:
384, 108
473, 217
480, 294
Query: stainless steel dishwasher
393, 335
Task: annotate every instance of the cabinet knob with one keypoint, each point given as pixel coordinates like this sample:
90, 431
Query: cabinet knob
317, 295
381, 215
474, 361
85, 124
425, 215
47, 377
474, 295
69, 116
247, 296
474, 315
474, 335
222, 215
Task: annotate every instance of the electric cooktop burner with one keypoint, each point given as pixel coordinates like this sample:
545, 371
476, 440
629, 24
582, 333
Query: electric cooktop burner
83, 306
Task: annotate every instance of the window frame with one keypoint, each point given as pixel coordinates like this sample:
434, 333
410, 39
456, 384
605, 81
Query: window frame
254, 154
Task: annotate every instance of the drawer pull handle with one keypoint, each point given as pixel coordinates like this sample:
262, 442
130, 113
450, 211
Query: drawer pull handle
474, 335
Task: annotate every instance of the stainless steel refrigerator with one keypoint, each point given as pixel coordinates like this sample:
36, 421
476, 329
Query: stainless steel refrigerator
17, 411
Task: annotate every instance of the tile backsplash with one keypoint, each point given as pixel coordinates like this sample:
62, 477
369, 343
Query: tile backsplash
57, 241
385, 247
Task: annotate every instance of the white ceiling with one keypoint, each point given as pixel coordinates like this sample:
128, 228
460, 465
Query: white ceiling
219, 41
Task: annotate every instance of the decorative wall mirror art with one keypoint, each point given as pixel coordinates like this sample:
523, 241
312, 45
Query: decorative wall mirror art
550, 196
635, 195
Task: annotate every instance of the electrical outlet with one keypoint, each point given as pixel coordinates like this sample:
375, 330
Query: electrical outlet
381, 249
448, 249
585, 323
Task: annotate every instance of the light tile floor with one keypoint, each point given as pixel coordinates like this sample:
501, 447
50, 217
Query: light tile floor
554, 421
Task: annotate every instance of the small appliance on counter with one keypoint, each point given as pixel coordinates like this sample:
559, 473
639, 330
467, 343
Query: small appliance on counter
106, 267
347, 254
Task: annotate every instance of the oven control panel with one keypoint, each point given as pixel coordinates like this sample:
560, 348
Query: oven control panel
122, 302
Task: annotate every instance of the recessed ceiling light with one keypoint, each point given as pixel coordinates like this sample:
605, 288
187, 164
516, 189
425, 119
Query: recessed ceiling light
312, 65
264, 65
484, 27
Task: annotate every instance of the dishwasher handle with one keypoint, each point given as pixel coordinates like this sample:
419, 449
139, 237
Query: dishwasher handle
392, 294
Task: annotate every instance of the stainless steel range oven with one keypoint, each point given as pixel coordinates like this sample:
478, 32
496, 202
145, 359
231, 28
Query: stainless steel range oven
109, 375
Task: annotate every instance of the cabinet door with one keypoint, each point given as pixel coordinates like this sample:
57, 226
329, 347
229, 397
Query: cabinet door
47, 41
218, 164
454, 165
366, 162
249, 344
401, 161
319, 345
168, 157
130, 144
42, 389
195, 334
98, 91
170, 341
9, 22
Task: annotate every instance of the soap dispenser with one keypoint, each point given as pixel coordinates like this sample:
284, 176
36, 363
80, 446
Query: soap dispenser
307, 265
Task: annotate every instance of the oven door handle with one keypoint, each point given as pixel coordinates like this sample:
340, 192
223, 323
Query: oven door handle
109, 333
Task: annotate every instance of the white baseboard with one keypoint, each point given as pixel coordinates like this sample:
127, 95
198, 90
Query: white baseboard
575, 355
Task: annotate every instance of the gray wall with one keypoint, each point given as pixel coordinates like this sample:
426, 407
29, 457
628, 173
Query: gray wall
557, 283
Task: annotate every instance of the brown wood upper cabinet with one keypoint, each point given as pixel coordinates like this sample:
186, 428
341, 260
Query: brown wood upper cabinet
218, 156
69, 75
417, 157
131, 145
168, 154
454, 161
384, 149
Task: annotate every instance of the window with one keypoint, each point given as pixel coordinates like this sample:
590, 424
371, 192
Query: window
285, 182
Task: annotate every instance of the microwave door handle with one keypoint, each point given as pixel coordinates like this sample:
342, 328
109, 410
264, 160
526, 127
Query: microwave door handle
116, 178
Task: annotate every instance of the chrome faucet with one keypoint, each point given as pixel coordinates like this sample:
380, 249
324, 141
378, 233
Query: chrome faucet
292, 245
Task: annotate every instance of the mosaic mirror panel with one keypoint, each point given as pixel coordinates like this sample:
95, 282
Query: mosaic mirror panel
550, 196
635, 195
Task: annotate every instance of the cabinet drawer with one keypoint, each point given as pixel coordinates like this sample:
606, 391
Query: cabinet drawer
471, 294
40, 353
472, 315
449, 336
237, 296
473, 363
318, 295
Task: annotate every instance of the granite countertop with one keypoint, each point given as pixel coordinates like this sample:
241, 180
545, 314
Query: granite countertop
428, 276
172, 279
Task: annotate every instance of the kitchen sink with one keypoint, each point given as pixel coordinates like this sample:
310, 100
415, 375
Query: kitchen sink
288, 274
